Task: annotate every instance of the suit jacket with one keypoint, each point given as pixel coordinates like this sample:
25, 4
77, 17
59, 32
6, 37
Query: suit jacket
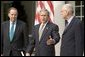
19, 40
41, 47
72, 40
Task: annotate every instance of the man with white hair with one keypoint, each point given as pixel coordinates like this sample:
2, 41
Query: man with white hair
72, 40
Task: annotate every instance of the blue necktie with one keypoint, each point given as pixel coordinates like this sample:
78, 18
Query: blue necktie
12, 32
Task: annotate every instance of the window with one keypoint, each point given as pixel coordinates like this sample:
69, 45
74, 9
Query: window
79, 9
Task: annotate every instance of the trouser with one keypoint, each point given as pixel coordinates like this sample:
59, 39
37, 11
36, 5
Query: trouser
15, 53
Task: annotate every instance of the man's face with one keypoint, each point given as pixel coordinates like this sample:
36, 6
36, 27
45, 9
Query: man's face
64, 13
12, 15
44, 16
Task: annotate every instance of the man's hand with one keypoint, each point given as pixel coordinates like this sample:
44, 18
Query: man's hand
50, 41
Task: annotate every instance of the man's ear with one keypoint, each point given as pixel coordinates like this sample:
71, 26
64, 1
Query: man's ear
8, 14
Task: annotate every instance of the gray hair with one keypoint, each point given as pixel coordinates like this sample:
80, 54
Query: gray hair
69, 8
44, 10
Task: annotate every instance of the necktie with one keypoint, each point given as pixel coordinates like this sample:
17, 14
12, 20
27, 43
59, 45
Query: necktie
66, 23
12, 32
41, 31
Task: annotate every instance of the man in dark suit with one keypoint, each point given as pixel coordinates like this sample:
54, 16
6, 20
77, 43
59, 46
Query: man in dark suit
72, 40
13, 35
44, 36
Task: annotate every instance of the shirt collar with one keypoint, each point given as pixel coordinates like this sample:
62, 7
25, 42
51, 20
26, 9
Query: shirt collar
12, 22
45, 23
69, 20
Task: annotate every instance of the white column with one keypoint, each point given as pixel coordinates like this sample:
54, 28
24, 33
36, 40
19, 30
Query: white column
59, 21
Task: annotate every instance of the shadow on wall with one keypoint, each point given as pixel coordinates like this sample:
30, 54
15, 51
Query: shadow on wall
22, 14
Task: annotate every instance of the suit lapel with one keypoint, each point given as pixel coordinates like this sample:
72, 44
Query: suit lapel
37, 32
7, 31
69, 26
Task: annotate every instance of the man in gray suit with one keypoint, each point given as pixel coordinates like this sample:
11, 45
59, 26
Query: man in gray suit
13, 35
72, 40
44, 36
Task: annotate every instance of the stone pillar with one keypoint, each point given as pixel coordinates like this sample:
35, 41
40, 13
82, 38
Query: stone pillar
59, 21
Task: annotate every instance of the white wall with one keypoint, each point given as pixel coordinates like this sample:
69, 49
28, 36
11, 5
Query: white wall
59, 21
